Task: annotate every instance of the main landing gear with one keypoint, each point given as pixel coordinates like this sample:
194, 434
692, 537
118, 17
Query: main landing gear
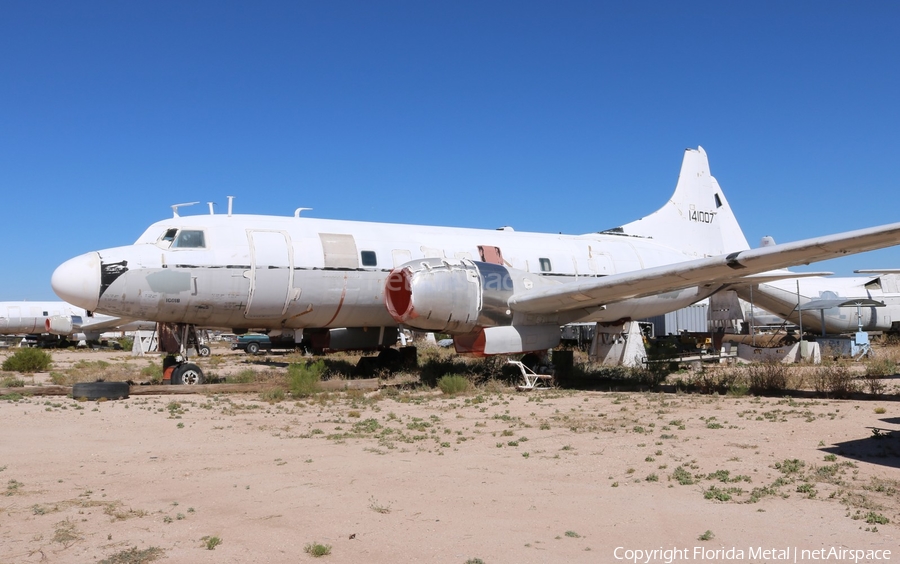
175, 339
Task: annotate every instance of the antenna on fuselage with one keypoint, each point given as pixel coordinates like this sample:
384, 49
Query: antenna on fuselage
211, 211
298, 210
176, 206
230, 204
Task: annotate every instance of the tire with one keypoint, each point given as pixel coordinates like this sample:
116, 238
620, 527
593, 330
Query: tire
252, 348
204, 351
100, 390
187, 374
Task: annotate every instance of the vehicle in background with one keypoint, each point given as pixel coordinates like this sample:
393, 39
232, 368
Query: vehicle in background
252, 343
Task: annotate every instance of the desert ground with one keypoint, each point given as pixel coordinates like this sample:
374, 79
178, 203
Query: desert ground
409, 474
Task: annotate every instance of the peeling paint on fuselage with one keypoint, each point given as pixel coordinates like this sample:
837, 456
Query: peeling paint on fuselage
169, 281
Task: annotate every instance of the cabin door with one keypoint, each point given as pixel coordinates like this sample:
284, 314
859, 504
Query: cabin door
271, 273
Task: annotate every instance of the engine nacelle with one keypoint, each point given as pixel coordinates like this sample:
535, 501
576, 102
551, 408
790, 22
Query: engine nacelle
455, 296
435, 295
508, 340
61, 325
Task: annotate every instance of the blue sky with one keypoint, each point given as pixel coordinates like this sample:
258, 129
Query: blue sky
548, 116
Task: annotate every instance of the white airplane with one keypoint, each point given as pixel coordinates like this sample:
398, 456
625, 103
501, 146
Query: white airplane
60, 319
495, 291
832, 302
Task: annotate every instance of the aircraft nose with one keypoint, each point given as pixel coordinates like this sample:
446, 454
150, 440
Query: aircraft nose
77, 281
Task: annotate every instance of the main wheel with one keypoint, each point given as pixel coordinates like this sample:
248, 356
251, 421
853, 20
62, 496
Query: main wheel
100, 390
204, 350
252, 348
187, 374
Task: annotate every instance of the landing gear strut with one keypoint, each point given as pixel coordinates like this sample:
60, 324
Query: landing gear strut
174, 340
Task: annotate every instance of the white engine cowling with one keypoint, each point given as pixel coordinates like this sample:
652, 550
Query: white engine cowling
60, 325
469, 300
435, 295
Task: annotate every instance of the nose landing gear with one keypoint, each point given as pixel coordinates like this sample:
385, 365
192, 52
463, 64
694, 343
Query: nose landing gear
175, 339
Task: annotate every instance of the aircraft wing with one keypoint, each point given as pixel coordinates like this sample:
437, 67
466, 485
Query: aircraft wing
105, 324
882, 271
720, 269
773, 276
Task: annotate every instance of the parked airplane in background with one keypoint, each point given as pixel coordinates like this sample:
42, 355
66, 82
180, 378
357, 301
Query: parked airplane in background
821, 298
61, 319
495, 291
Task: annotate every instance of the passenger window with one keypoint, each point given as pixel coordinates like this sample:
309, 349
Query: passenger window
189, 239
545, 265
369, 258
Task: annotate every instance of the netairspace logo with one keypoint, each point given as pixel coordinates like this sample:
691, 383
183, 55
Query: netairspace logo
754, 553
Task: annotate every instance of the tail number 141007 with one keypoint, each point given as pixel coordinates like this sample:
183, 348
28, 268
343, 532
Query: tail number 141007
701, 216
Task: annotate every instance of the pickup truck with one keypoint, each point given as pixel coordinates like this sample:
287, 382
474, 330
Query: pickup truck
252, 343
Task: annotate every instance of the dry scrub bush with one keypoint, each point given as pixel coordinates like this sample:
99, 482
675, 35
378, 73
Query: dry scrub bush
718, 379
834, 380
880, 367
436, 362
770, 375
91, 371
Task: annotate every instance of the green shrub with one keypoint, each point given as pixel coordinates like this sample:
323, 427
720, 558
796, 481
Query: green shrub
274, 395
453, 384
880, 367
303, 379
682, 476
315, 549
59, 379
12, 382
28, 360
245, 376
790, 466
152, 372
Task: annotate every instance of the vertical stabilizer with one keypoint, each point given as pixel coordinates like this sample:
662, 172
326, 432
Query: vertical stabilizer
697, 219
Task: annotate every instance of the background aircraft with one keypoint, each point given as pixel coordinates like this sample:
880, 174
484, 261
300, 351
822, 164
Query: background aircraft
494, 291
781, 298
51, 321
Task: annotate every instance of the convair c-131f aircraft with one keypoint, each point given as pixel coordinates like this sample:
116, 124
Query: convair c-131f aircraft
494, 291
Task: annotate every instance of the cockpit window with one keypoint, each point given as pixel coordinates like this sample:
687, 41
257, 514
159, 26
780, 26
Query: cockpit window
189, 239
169, 236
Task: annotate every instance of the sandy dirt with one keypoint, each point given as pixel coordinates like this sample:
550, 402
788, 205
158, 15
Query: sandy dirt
551, 476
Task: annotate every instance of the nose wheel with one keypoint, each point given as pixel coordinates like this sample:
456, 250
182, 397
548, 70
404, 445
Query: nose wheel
174, 339
187, 374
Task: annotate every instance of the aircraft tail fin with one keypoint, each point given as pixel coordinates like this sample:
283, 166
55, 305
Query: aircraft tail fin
697, 219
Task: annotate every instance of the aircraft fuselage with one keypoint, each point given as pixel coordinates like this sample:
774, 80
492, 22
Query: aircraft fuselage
267, 272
